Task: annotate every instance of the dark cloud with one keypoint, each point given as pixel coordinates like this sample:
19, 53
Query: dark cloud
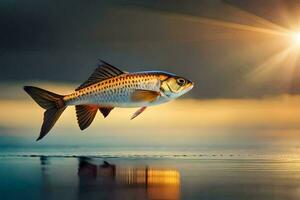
62, 40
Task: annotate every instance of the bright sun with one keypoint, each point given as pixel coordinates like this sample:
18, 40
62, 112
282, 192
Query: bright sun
296, 37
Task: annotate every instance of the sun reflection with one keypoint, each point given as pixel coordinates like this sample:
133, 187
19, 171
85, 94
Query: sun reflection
159, 183
148, 176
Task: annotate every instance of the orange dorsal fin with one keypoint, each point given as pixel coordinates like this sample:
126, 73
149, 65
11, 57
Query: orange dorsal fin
102, 72
85, 115
144, 95
105, 110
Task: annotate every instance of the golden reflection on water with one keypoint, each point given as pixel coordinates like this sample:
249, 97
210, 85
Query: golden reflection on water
158, 183
149, 176
89, 178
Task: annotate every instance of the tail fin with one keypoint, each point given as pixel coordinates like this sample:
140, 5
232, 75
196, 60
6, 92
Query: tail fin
53, 103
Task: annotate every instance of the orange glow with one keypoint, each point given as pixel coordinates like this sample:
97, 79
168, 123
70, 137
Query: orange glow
280, 111
160, 183
162, 177
207, 119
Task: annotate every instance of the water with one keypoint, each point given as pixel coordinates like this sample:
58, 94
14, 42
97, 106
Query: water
103, 172
138, 177
95, 151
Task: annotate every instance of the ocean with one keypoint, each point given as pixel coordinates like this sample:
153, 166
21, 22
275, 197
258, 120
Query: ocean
76, 172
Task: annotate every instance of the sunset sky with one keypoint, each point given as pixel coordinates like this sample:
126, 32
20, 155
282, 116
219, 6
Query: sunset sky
242, 56
263, 123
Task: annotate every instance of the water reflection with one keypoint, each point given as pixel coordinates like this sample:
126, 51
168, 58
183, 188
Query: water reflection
96, 179
44, 162
143, 182
70, 178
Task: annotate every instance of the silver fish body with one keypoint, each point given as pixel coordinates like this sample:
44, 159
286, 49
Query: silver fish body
118, 91
109, 87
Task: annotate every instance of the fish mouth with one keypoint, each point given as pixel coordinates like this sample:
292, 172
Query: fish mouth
191, 85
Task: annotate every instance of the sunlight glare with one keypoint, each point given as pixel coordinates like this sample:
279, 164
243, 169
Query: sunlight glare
296, 37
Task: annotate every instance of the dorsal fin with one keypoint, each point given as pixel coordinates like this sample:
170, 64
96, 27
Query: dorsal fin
102, 72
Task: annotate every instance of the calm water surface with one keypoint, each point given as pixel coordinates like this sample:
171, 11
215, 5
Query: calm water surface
51, 177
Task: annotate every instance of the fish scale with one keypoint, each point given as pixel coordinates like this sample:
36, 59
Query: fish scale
115, 91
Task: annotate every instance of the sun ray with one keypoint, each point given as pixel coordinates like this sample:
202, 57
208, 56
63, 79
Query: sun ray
292, 68
280, 65
245, 14
230, 25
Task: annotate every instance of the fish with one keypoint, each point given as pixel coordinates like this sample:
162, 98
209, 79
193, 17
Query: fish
109, 87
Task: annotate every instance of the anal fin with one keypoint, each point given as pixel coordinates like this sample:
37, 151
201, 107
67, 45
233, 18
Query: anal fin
85, 115
105, 110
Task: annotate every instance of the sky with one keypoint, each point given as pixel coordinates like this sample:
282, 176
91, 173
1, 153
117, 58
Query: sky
270, 124
63, 40
242, 56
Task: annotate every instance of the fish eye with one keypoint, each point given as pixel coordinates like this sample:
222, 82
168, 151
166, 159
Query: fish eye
181, 81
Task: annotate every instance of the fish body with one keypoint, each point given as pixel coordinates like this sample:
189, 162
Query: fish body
119, 91
109, 87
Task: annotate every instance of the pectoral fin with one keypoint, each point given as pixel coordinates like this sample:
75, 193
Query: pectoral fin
85, 115
144, 96
139, 111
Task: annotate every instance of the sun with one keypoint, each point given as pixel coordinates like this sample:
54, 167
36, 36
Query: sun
296, 37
